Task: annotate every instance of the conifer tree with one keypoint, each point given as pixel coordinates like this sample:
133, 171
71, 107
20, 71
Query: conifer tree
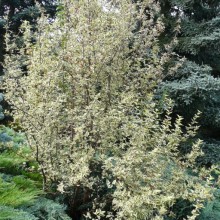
196, 83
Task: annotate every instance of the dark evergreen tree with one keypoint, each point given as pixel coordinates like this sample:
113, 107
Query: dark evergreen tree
196, 84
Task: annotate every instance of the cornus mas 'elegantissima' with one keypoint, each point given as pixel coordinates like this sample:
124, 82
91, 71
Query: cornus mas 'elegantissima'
85, 105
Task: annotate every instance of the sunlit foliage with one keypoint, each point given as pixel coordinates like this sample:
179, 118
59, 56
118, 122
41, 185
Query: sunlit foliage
85, 104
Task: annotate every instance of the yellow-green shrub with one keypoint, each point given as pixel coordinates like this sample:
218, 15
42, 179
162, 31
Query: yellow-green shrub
86, 106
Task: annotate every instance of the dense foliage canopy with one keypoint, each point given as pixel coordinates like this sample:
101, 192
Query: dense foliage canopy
87, 106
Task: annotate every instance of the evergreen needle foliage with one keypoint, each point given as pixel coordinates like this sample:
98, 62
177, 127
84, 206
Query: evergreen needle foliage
21, 196
85, 104
195, 86
14, 190
9, 213
46, 209
17, 192
212, 209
